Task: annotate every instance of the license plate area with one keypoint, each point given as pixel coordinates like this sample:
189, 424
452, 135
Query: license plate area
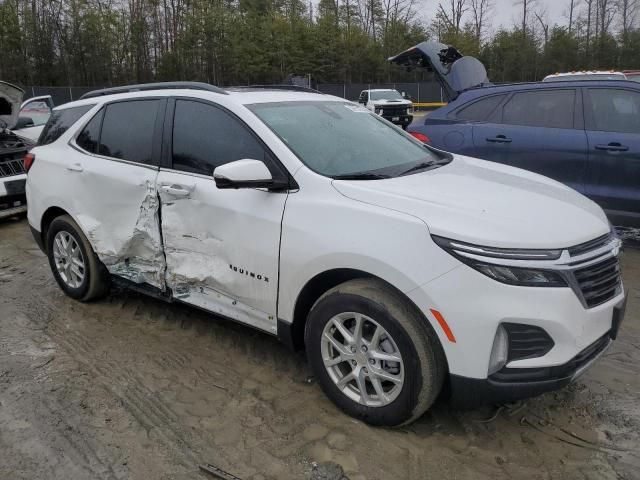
395, 119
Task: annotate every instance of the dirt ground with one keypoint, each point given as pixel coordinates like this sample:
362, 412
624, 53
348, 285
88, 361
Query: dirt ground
134, 388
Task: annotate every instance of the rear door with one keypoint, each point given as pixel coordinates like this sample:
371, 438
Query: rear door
113, 169
540, 131
221, 245
613, 128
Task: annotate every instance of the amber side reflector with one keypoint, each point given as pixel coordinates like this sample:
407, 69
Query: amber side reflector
443, 324
421, 136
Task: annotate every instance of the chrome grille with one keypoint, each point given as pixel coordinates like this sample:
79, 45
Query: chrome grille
395, 110
12, 167
599, 282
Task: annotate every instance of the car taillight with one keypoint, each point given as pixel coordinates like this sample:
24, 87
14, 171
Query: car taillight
29, 158
421, 136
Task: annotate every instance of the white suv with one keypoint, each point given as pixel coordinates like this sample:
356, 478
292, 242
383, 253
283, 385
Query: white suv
389, 104
398, 267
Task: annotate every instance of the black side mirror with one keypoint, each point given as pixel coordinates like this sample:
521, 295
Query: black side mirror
24, 122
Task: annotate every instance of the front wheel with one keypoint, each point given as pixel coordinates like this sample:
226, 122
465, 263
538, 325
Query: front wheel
373, 354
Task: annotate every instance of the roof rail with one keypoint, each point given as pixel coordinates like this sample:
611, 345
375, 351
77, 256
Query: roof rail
154, 86
298, 88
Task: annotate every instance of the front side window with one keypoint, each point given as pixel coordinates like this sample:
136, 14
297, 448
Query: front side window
205, 137
340, 139
60, 121
614, 110
127, 130
540, 108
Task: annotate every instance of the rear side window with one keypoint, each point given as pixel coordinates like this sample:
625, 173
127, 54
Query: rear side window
90, 135
541, 108
127, 130
205, 137
60, 121
481, 109
614, 110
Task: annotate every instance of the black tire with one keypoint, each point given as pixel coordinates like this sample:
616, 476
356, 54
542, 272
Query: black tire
96, 280
424, 361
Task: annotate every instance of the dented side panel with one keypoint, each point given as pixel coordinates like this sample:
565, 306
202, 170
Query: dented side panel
117, 206
222, 246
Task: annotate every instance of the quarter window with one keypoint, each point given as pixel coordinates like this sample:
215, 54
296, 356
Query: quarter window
541, 108
127, 130
614, 110
60, 121
481, 109
205, 137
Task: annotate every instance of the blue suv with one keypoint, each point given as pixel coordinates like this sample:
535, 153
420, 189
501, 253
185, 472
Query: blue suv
585, 134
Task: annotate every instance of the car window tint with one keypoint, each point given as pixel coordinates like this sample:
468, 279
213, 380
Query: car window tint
205, 137
481, 109
541, 108
60, 121
127, 130
615, 110
90, 135
37, 110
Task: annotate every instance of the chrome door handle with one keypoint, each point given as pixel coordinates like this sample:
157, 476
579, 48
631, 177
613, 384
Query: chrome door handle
499, 139
175, 190
613, 147
75, 167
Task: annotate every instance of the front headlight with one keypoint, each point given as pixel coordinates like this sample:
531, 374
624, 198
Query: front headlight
490, 261
379, 111
410, 111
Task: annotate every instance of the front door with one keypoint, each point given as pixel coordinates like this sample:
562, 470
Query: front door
613, 130
537, 130
221, 246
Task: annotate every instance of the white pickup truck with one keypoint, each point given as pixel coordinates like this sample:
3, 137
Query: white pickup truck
389, 104
396, 266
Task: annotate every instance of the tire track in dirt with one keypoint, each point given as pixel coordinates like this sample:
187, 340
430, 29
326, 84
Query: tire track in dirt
141, 402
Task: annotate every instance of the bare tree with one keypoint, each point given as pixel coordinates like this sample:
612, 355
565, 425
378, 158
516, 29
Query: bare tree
452, 14
527, 5
628, 10
544, 24
572, 7
480, 9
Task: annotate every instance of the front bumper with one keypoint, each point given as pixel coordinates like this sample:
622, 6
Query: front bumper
509, 384
403, 120
13, 199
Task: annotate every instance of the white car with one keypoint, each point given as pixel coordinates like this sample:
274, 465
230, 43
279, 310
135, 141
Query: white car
398, 267
389, 104
12, 151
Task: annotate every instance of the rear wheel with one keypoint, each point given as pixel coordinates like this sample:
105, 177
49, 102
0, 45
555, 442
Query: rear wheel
374, 355
73, 262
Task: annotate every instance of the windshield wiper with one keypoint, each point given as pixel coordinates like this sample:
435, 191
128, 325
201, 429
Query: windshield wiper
360, 176
426, 165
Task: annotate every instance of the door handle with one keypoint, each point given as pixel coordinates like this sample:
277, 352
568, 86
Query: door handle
613, 147
176, 190
75, 167
499, 139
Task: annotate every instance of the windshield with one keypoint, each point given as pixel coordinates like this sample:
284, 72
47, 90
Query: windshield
339, 139
385, 95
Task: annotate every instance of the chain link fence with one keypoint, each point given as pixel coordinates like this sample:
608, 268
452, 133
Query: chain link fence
422, 92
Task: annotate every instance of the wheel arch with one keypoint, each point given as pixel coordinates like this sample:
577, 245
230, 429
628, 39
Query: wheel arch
48, 216
292, 334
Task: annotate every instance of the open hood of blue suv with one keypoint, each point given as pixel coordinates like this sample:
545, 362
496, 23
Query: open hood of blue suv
455, 72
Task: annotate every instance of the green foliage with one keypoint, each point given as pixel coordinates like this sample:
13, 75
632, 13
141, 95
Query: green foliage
227, 42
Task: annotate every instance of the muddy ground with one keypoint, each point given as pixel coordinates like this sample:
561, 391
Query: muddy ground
134, 388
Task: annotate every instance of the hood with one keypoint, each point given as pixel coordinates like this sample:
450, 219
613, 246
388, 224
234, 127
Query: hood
10, 100
399, 101
455, 72
487, 204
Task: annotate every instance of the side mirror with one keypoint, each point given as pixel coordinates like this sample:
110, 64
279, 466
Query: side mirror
24, 122
245, 173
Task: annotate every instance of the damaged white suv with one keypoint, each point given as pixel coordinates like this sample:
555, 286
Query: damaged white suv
398, 267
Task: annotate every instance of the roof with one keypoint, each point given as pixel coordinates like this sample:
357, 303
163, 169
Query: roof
585, 72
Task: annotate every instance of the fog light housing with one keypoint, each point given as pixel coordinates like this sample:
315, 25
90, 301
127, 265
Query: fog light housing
499, 351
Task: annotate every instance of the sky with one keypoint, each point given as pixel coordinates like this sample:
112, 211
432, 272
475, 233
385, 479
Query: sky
507, 12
